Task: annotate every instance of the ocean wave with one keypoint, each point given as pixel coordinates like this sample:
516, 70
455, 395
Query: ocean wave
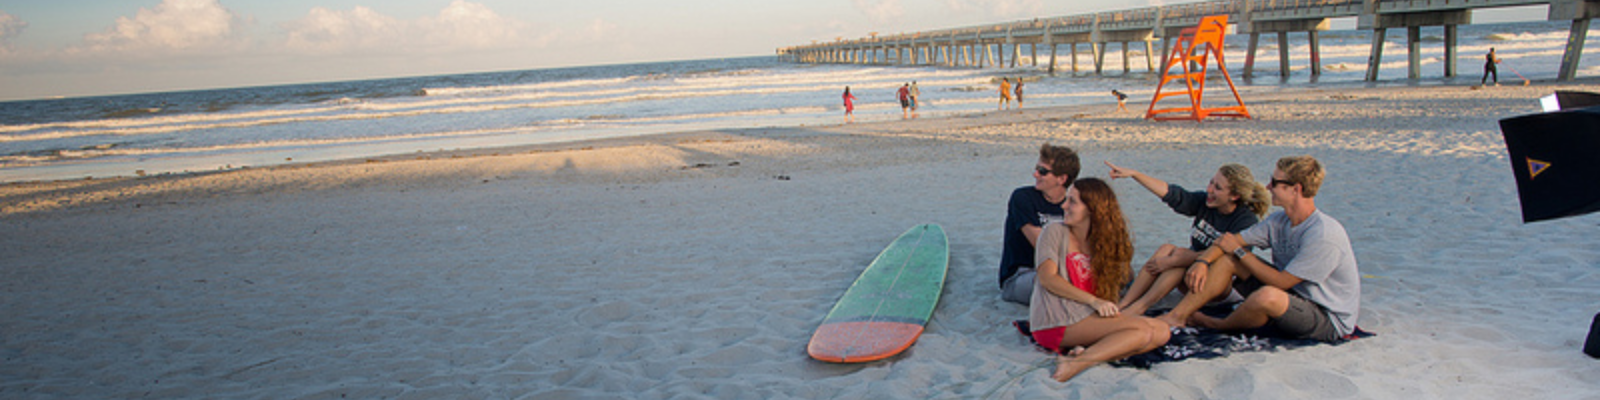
343, 110
92, 152
131, 112
530, 87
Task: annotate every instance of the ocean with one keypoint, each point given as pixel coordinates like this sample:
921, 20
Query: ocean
209, 130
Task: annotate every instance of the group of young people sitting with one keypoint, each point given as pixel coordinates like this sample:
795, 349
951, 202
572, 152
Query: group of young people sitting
1068, 252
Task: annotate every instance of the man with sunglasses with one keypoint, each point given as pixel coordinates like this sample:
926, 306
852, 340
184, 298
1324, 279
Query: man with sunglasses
1310, 289
1030, 208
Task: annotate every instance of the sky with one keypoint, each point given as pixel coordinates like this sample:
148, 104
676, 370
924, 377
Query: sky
100, 47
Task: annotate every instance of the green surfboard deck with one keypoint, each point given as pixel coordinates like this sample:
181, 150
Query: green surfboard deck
885, 310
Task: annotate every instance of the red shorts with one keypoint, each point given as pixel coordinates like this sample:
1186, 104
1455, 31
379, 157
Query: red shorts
1050, 338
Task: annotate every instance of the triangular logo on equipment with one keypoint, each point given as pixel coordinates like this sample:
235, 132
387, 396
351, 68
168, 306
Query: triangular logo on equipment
1535, 167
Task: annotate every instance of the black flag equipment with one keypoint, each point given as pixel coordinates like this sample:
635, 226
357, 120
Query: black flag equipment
1555, 157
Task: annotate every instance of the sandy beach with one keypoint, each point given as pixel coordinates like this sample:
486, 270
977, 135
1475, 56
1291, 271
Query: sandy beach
696, 265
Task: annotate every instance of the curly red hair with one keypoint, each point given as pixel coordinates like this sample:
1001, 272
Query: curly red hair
1109, 242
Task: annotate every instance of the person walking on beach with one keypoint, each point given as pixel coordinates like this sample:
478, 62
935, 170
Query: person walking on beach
905, 100
1029, 209
1232, 202
1122, 101
1083, 264
1311, 289
1019, 93
1489, 68
915, 94
849, 106
1005, 92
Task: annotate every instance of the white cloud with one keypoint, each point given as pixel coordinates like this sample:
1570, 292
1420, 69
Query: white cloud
174, 26
600, 30
996, 8
10, 27
329, 31
880, 11
462, 25
474, 25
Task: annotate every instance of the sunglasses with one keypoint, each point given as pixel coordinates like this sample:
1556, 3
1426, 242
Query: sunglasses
1041, 170
1275, 182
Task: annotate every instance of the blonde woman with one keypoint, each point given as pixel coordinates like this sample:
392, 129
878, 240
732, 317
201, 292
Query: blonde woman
1231, 202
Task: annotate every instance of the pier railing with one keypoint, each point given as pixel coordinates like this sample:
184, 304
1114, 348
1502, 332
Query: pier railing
985, 45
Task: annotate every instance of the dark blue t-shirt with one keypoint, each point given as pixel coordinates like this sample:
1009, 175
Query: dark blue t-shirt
1209, 224
1026, 207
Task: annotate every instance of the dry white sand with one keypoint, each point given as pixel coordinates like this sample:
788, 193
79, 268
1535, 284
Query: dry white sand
697, 265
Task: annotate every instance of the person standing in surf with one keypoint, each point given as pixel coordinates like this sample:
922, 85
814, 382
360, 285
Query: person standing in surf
849, 106
1019, 93
1489, 68
1083, 264
905, 100
1232, 202
1029, 209
915, 98
1005, 92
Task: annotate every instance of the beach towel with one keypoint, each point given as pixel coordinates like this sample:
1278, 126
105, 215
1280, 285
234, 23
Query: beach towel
1205, 343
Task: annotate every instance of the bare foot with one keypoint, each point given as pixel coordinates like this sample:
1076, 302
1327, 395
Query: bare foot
1172, 320
1205, 321
1068, 365
1134, 309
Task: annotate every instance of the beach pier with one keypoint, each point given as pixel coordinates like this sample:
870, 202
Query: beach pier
1579, 12
987, 46
1284, 17
1380, 16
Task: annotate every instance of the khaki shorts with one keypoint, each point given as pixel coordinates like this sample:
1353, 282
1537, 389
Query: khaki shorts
1303, 320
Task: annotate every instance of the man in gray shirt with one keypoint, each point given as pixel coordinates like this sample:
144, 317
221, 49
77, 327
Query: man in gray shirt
1312, 287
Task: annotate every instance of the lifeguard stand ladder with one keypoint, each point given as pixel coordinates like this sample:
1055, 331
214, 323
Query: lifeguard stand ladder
1196, 45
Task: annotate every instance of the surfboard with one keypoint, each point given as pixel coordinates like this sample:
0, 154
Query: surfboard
888, 306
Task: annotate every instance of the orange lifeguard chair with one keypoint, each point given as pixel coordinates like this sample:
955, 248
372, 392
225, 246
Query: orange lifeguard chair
1196, 45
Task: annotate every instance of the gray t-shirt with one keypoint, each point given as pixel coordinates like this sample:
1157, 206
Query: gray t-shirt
1318, 252
1046, 310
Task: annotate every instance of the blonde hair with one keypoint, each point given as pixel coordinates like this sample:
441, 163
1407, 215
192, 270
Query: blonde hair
1251, 194
1303, 170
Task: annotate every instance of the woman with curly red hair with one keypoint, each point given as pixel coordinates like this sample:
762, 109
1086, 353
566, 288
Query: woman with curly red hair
1082, 267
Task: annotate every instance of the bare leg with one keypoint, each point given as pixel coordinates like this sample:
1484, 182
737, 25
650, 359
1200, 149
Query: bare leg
1142, 281
1147, 289
1218, 279
1107, 339
1141, 284
1266, 303
1165, 283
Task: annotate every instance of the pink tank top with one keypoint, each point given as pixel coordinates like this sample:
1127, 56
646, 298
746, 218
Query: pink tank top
1078, 272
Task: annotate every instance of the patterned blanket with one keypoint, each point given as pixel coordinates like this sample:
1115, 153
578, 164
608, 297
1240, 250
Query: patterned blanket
1203, 343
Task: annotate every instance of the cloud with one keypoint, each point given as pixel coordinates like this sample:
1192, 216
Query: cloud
996, 8
462, 25
174, 26
880, 11
472, 25
10, 27
600, 30
328, 31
